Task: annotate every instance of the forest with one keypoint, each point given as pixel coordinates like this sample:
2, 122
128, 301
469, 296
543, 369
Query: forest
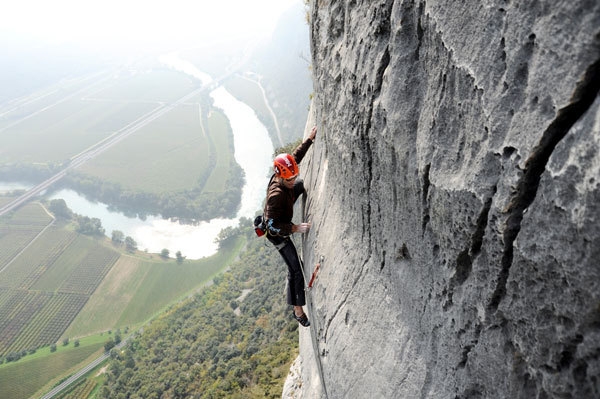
189, 204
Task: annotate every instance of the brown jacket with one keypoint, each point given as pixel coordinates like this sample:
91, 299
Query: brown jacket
279, 207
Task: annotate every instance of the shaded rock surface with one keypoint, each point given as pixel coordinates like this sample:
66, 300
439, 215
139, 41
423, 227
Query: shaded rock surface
454, 191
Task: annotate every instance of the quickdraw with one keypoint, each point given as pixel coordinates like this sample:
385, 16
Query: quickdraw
314, 274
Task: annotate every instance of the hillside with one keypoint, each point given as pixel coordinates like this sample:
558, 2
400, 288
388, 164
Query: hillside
454, 193
234, 339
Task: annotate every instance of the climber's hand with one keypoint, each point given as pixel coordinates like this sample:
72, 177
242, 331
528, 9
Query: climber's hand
301, 228
313, 133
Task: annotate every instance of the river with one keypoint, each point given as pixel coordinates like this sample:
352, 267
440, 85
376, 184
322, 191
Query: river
253, 152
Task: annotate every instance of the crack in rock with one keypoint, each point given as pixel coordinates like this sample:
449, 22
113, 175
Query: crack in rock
527, 187
464, 260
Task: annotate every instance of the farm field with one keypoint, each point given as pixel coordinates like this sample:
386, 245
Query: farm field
45, 286
5, 200
40, 369
81, 390
48, 273
16, 110
44, 283
177, 151
137, 288
217, 122
45, 133
17, 232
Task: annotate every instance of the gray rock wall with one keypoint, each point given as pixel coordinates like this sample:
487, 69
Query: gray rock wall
454, 191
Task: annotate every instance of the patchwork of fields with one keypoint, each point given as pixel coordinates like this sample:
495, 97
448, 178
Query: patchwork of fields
47, 275
51, 276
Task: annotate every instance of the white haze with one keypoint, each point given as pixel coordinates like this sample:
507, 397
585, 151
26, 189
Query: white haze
60, 34
128, 24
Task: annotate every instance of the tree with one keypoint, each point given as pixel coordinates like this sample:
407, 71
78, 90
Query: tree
118, 237
226, 235
76, 343
288, 148
13, 356
130, 244
109, 344
53, 348
66, 341
164, 253
90, 226
60, 209
179, 257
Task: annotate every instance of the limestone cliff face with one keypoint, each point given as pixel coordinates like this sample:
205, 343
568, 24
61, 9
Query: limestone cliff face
454, 191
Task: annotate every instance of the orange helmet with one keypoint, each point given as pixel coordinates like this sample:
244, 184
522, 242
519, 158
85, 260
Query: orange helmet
285, 166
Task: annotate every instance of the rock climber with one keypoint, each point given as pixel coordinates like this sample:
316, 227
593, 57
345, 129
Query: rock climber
282, 192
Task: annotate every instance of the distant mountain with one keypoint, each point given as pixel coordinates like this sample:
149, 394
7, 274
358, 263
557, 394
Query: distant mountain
284, 64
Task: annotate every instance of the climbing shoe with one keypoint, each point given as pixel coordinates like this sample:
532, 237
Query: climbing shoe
303, 320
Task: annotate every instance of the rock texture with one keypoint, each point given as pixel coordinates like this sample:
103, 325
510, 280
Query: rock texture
454, 191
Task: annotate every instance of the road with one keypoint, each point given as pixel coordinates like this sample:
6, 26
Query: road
266, 101
30, 242
66, 383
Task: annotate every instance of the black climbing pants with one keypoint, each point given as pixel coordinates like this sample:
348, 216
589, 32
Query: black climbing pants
287, 249
295, 289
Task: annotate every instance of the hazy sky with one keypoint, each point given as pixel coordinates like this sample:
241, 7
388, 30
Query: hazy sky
128, 22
